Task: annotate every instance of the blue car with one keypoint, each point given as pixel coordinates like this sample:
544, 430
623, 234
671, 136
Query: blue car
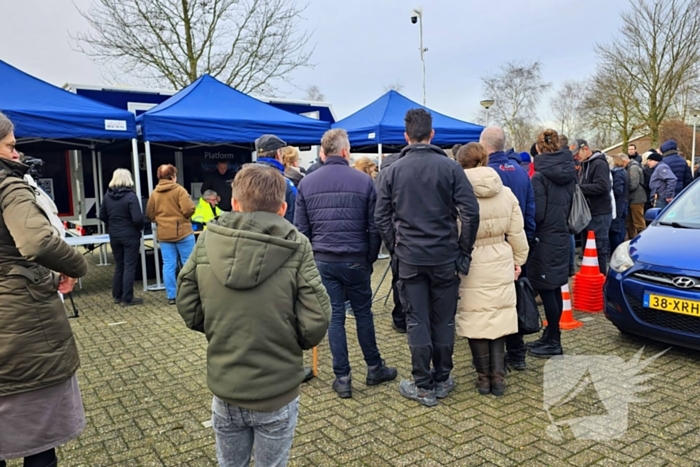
653, 286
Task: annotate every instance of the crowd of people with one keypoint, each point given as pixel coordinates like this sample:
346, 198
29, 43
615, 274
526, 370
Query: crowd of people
282, 250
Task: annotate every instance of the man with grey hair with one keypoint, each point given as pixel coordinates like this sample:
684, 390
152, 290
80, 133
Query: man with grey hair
335, 210
207, 209
514, 177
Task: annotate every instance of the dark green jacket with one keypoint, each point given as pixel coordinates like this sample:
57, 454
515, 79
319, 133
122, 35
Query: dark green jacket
251, 285
37, 348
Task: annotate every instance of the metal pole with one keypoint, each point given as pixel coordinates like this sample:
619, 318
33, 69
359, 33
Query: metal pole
487, 116
100, 225
695, 122
156, 257
422, 55
379, 152
137, 188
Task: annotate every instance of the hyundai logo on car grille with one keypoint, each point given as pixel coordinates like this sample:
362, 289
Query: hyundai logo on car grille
684, 282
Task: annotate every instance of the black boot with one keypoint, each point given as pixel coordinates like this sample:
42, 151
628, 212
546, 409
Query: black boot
551, 346
539, 341
498, 366
481, 359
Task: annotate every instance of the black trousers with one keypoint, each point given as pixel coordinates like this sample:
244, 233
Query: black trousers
126, 259
43, 459
553, 305
397, 314
429, 297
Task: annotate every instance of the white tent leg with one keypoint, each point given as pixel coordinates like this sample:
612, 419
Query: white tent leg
137, 187
98, 204
379, 152
156, 257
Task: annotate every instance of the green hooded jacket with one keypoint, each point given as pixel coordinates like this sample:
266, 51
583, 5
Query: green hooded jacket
252, 287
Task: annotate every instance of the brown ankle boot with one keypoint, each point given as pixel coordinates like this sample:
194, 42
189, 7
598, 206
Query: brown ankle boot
480, 356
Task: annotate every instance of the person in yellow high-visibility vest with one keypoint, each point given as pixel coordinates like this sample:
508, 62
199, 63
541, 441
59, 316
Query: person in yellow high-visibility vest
206, 210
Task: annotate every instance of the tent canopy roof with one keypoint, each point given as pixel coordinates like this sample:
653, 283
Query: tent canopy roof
382, 122
209, 111
41, 110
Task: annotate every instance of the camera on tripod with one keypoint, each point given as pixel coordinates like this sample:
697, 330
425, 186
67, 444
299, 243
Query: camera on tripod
35, 165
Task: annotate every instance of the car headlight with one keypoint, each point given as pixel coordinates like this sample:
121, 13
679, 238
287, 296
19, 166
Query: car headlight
621, 260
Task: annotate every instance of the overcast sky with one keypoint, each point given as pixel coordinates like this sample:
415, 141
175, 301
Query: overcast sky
364, 45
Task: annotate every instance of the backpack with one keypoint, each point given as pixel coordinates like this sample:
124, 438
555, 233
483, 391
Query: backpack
529, 321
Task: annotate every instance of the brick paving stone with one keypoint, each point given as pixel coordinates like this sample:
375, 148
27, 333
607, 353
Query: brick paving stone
145, 395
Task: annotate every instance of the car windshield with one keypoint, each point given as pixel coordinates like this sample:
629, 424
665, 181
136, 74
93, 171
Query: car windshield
685, 211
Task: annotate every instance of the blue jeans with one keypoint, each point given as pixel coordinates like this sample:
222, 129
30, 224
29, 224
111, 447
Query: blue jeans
353, 279
238, 431
171, 252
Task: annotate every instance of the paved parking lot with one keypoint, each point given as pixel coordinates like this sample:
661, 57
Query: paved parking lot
147, 403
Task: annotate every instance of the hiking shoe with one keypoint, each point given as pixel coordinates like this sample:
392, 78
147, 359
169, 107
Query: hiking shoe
540, 340
516, 364
409, 390
380, 374
171, 301
134, 301
444, 388
551, 348
343, 387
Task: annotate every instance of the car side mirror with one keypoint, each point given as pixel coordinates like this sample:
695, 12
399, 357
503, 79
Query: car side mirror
652, 214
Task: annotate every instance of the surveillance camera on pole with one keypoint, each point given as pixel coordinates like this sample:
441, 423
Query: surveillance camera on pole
417, 17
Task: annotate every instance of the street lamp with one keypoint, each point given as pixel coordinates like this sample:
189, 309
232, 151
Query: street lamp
695, 114
487, 104
417, 17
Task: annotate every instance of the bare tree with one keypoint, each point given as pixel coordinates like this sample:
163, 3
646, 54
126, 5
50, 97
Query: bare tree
313, 93
517, 90
679, 131
395, 86
248, 44
608, 107
659, 53
566, 106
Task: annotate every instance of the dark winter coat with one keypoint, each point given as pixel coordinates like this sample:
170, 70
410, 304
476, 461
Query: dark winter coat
680, 168
37, 347
314, 167
636, 190
121, 213
335, 210
595, 184
553, 183
420, 197
221, 184
514, 177
663, 181
251, 285
290, 197
621, 192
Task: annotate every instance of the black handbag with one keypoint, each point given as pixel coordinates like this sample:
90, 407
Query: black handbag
529, 321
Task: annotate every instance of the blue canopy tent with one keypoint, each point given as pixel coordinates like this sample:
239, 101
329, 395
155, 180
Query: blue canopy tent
43, 112
208, 112
382, 123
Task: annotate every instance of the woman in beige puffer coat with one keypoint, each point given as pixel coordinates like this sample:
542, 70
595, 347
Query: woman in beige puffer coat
487, 311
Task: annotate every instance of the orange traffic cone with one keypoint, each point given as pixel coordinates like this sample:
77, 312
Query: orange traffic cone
588, 283
567, 320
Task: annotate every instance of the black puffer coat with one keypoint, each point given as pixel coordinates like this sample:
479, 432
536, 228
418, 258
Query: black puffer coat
553, 183
121, 213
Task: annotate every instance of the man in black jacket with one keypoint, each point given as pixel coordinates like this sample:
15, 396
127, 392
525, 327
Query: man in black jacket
595, 182
420, 198
335, 210
220, 182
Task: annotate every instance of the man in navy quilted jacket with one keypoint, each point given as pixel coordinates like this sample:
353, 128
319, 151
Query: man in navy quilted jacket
335, 210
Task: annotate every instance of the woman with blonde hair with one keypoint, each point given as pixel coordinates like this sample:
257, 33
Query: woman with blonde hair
290, 160
487, 313
171, 208
366, 165
122, 215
